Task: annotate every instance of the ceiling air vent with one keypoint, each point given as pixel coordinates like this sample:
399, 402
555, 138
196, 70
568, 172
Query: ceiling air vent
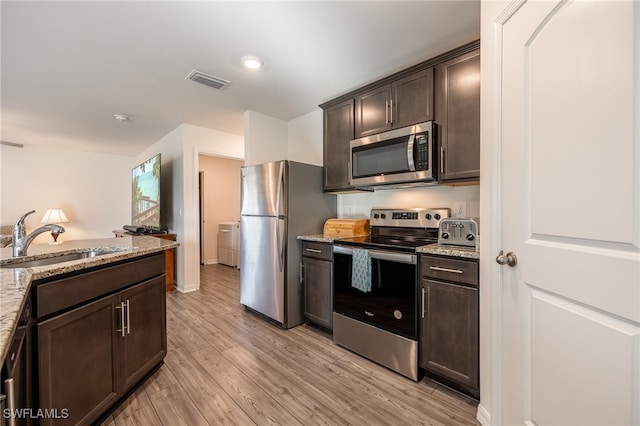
208, 80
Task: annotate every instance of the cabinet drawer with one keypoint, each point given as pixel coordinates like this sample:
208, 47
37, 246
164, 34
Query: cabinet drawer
322, 251
442, 268
67, 292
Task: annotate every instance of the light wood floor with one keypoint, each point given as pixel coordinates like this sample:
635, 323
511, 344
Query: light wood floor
227, 366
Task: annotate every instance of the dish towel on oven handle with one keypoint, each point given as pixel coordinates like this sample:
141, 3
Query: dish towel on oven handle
361, 270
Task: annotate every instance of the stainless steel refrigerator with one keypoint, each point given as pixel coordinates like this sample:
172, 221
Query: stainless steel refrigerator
280, 201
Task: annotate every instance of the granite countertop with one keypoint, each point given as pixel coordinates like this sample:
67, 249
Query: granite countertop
15, 283
316, 238
464, 252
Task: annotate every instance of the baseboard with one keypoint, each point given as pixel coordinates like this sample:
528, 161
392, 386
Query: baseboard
211, 261
483, 416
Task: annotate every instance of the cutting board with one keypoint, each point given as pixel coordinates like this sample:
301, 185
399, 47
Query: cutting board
345, 228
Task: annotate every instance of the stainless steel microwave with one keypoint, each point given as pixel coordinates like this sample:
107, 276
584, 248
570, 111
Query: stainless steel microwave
402, 156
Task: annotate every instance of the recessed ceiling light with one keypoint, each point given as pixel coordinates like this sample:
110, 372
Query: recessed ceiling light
121, 117
252, 62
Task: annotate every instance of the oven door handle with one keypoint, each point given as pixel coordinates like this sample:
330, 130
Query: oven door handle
410, 259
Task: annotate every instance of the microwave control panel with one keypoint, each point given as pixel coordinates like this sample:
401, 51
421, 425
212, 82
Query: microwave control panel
421, 152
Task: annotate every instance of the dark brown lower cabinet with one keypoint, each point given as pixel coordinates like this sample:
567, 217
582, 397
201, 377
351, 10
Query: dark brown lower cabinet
90, 355
17, 374
449, 333
145, 342
317, 280
78, 362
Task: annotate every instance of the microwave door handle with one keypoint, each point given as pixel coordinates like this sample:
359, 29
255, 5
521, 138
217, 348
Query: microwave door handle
410, 155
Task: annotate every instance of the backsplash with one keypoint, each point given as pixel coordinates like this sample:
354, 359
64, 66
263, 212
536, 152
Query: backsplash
457, 199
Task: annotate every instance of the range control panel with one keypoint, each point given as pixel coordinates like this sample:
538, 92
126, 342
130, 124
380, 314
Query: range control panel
408, 218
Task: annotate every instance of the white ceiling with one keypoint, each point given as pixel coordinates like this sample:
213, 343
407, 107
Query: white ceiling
68, 67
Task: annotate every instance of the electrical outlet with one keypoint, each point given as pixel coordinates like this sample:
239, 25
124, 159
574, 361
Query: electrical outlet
459, 209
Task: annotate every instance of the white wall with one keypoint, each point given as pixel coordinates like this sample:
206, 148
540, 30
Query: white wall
198, 140
180, 150
265, 138
304, 138
359, 205
93, 189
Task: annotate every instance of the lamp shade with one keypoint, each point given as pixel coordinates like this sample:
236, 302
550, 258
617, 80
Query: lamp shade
54, 216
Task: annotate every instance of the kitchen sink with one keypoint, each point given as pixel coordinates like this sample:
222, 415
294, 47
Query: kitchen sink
62, 258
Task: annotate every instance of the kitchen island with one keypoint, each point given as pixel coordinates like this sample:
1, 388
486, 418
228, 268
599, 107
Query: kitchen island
101, 300
15, 283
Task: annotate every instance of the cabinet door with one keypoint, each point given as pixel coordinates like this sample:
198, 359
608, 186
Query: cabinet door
145, 342
449, 332
77, 361
338, 132
412, 99
372, 111
458, 113
318, 291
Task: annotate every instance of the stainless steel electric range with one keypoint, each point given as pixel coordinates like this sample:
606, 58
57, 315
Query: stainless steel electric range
375, 287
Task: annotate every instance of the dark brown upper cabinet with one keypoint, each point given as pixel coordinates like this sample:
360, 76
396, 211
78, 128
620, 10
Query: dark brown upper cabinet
406, 101
338, 132
458, 117
445, 89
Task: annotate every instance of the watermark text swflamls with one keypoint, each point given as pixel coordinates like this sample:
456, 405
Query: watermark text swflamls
35, 413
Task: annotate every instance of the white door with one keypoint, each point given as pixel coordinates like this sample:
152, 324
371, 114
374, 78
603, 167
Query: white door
568, 91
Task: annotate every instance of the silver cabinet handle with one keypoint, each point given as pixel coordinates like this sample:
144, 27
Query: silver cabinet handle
128, 317
122, 319
11, 400
301, 279
313, 250
438, 268
441, 160
386, 112
391, 108
424, 293
509, 259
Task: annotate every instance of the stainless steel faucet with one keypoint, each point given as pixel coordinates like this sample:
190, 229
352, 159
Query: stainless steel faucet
20, 238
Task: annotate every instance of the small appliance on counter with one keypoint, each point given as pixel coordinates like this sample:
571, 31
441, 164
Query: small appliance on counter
458, 232
346, 228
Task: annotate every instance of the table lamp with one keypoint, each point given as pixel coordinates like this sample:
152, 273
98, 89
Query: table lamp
54, 216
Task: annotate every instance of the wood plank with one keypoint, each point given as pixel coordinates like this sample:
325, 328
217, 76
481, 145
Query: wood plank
137, 411
296, 396
212, 401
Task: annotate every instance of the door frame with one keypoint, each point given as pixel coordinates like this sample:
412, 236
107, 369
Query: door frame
494, 15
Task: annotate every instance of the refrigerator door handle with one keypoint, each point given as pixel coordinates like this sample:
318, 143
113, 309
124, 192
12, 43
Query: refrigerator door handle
280, 242
279, 190
279, 230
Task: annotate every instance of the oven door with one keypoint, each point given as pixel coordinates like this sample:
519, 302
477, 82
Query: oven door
389, 302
